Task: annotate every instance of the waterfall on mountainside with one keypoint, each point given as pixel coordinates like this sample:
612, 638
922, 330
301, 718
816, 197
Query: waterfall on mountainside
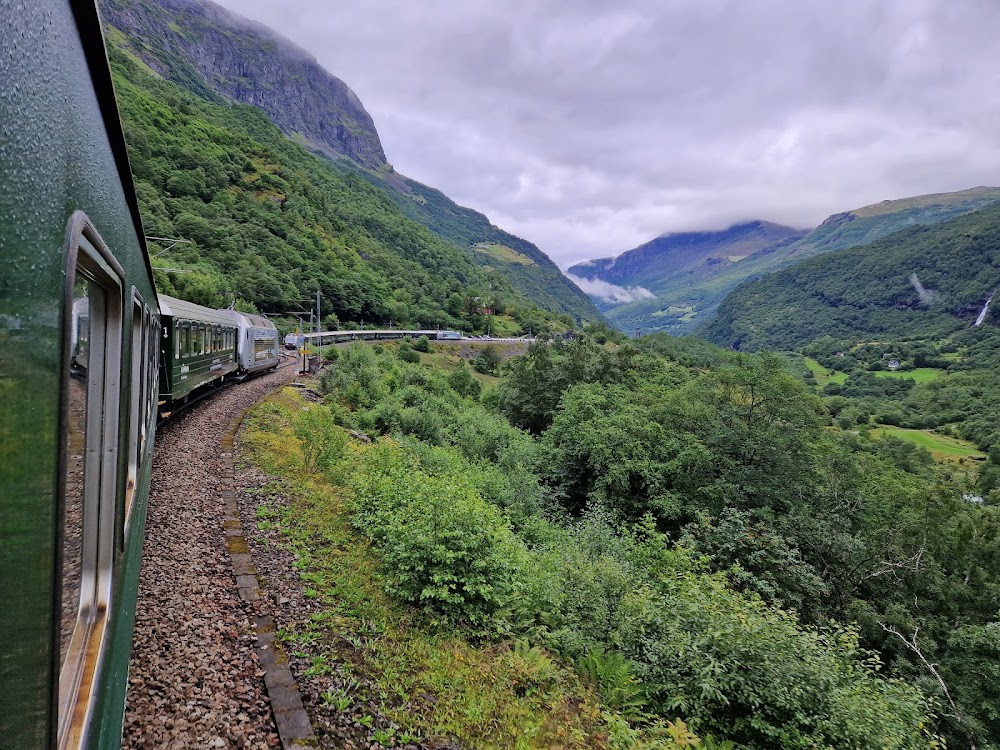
982, 314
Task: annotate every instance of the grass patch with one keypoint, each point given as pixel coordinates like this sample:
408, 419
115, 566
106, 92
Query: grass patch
436, 684
920, 374
504, 253
681, 312
448, 362
824, 376
942, 448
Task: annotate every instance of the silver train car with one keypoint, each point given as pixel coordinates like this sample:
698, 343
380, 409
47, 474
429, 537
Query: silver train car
257, 342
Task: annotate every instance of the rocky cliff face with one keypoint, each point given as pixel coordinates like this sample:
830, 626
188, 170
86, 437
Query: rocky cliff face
207, 49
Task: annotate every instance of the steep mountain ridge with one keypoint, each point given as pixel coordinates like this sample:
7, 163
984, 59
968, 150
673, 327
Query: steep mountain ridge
212, 51
687, 296
222, 57
528, 268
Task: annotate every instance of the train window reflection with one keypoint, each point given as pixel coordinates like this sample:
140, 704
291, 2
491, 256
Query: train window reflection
89, 499
76, 463
136, 398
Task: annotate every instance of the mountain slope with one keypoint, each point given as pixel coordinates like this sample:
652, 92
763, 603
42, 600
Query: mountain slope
221, 56
529, 269
687, 298
668, 283
213, 52
919, 282
654, 264
268, 222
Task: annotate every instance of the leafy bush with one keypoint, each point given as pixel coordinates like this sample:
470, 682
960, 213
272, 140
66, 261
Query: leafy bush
486, 361
462, 382
407, 354
442, 545
423, 344
750, 673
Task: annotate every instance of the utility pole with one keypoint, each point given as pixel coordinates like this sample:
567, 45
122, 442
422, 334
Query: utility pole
300, 342
318, 316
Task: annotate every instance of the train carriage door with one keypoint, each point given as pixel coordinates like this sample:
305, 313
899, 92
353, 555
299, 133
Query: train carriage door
91, 391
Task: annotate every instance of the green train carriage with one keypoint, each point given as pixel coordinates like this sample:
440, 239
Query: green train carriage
199, 351
79, 343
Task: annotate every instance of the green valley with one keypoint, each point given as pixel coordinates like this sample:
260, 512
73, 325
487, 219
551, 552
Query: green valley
698, 284
654, 545
780, 529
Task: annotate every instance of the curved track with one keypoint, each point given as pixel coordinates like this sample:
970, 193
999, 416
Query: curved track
195, 681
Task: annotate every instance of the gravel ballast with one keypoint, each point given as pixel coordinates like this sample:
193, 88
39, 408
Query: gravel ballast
195, 681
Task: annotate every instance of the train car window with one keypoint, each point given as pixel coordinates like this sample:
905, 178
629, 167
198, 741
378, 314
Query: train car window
152, 374
90, 469
136, 399
154, 371
76, 449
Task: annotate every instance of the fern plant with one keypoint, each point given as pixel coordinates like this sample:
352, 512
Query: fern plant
611, 673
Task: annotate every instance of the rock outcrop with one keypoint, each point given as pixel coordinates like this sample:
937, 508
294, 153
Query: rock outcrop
211, 51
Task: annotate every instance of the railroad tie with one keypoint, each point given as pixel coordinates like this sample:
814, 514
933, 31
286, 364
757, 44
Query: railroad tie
294, 728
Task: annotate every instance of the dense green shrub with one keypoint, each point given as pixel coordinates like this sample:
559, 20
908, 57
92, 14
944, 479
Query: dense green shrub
442, 545
740, 669
486, 361
462, 382
407, 354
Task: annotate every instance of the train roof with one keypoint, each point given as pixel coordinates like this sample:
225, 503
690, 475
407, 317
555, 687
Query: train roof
178, 308
257, 321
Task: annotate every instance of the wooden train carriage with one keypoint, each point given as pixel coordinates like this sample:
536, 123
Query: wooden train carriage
79, 332
199, 350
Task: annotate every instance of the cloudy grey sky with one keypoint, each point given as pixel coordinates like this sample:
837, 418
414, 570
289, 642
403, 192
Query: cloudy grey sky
591, 126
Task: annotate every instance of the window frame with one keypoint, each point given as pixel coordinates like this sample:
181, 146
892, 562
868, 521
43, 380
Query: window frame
87, 254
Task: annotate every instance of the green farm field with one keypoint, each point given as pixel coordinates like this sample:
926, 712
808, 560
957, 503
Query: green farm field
920, 374
823, 375
942, 448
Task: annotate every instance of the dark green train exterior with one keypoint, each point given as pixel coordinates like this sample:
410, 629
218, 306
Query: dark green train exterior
79, 335
199, 350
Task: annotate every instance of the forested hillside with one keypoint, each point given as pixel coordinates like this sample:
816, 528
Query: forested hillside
222, 58
529, 270
927, 281
686, 528
269, 224
686, 294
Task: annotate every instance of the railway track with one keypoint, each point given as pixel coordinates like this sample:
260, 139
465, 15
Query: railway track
195, 680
